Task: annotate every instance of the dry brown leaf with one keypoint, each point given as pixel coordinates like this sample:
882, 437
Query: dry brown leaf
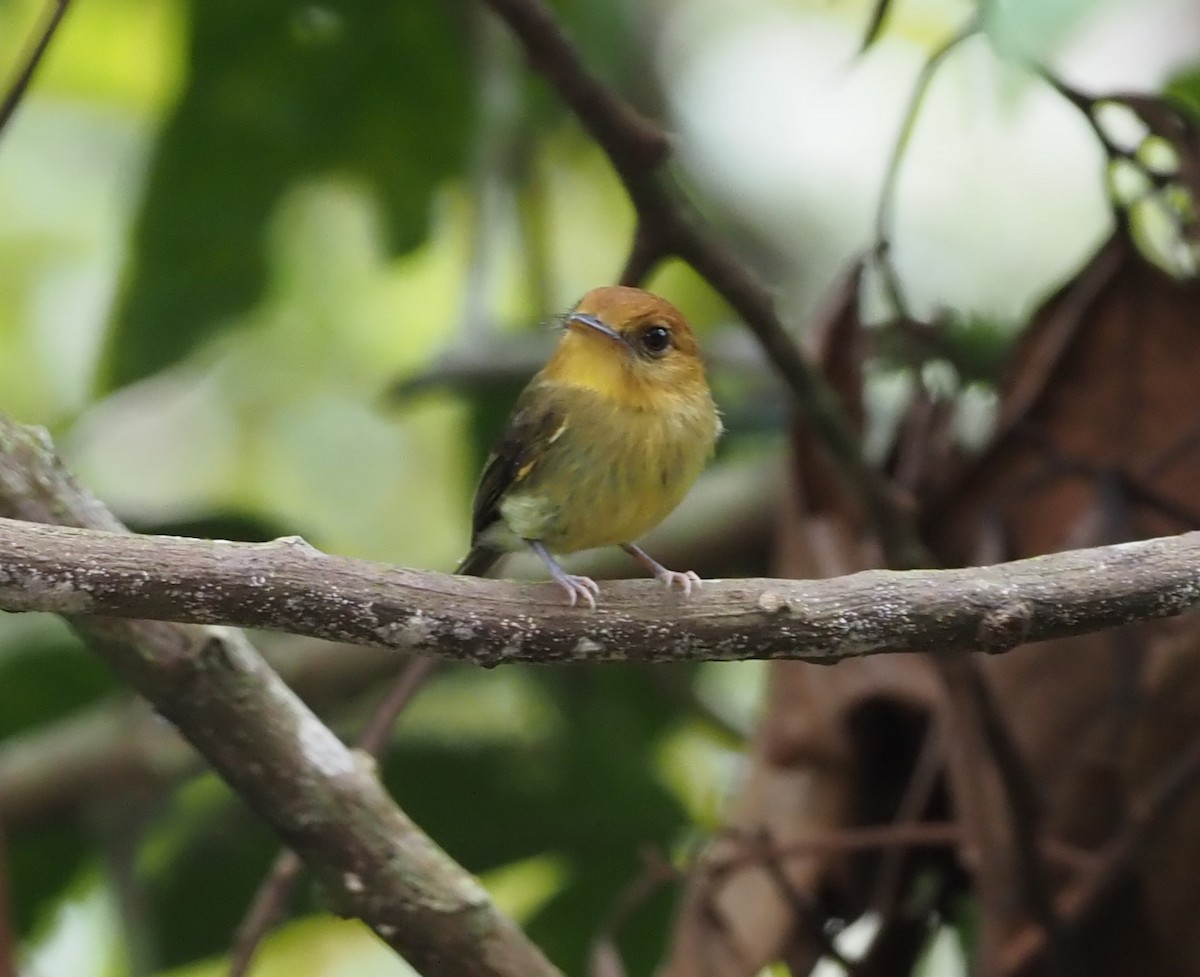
1099, 440
805, 777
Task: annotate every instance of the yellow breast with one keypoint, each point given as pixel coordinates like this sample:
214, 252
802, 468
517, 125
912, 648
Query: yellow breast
615, 471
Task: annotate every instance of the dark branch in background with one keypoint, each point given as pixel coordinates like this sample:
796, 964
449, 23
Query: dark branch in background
665, 227
1024, 805
1118, 858
288, 586
637, 148
29, 65
320, 797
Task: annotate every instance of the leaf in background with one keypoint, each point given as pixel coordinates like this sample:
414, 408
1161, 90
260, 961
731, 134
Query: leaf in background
279, 93
204, 862
1184, 89
587, 793
875, 25
47, 679
40, 682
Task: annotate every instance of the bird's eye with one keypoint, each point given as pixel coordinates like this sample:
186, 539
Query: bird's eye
656, 339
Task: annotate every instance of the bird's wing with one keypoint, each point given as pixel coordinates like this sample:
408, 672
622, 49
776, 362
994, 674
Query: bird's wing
536, 422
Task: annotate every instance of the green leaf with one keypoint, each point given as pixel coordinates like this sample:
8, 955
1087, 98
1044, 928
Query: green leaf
587, 793
1184, 89
47, 679
278, 93
40, 866
41, 681
206, 859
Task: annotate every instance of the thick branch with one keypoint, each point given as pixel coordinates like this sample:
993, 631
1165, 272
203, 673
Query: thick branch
287, 585
120, 747
51, 771
323, 799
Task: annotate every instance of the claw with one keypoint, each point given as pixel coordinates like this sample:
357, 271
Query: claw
686, 579
577, 586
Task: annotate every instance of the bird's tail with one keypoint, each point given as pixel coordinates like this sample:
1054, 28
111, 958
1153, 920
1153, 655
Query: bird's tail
478, 561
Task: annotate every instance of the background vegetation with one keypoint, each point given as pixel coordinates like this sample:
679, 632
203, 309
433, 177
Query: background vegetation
272, 268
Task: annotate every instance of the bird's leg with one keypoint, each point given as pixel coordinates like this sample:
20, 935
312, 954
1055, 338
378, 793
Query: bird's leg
574, 585
669, 577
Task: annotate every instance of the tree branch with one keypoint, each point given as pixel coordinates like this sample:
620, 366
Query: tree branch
286, 585
320, 797
274, 894
29, 65
120, 746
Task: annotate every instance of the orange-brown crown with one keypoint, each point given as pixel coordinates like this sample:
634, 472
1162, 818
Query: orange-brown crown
630, 345
631, 311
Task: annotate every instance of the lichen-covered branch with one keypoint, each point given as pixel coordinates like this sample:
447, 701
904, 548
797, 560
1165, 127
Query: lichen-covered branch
287, 585
322, 799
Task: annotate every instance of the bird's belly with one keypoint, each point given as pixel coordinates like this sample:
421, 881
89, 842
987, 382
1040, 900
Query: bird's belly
601, 495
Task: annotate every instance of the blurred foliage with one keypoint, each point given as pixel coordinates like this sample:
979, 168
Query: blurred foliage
48, 676
1185, 88
977, 348
201, 865
276, 93
251, 217
585, 790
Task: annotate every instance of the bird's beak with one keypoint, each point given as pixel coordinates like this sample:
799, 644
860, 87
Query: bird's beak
592, 322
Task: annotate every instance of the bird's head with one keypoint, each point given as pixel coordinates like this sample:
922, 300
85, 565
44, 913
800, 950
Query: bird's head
630, 345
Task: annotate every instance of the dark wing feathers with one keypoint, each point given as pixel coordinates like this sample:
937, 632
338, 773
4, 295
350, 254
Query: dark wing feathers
529, 432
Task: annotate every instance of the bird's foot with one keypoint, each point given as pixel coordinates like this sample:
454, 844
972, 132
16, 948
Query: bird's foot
577, 586
686, 579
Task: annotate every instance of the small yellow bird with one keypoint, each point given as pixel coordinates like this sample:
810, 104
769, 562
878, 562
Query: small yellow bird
604, 442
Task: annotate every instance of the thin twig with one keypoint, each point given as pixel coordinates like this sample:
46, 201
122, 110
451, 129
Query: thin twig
656, 873
1078, 902
885, 210
267, 907
412, 678
21, 81
927, 771
898, 836
1025, 811
806, 911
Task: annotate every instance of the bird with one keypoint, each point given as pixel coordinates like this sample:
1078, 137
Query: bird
602, 444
